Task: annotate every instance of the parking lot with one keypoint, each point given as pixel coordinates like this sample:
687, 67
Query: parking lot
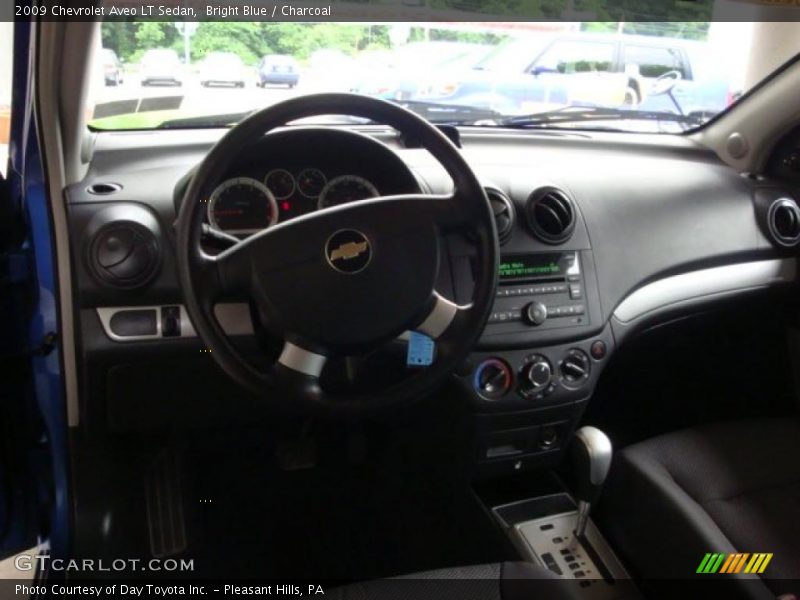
195, 99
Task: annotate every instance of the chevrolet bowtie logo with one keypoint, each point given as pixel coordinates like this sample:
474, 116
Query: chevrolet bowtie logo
348, 250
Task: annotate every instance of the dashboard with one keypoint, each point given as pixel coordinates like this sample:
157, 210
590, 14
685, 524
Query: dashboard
602, 234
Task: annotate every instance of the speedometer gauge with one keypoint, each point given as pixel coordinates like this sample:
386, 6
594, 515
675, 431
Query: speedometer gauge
242, 206
280, 182
344, 189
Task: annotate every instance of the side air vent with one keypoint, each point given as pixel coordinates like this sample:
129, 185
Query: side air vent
124, 254
551, 215
783, 220
122, 246
504, 214
103, 189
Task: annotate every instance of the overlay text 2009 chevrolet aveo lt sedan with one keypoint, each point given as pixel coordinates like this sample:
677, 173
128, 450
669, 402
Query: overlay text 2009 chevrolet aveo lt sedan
297, 335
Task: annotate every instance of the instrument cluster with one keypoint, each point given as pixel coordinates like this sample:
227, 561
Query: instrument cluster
245, 205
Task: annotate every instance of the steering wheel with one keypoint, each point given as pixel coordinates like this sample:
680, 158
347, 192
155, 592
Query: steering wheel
344, 280
664, 83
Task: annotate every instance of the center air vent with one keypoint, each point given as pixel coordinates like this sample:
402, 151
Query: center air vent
783, 220
551, 215
504, 214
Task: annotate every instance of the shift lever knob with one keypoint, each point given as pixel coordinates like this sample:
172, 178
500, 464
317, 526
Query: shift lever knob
591, 456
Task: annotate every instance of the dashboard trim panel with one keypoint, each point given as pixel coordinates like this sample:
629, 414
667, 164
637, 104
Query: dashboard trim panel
233, 317
705, 283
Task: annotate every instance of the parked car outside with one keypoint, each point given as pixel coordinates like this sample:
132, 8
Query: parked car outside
414, 69
222, 68
278, 69
527, 75
112, 67
161, 66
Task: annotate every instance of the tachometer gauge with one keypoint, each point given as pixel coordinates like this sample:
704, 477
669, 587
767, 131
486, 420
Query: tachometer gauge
242, 206
344, 189
280, 182
310, 182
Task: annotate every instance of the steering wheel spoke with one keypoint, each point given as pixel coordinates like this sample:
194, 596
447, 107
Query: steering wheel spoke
451, 212
228, 273
440, 317
298, 370
302, 360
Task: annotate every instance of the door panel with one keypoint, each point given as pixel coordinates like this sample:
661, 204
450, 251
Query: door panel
33, 502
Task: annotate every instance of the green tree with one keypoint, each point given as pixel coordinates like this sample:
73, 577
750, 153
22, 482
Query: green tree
119, 37
245, 39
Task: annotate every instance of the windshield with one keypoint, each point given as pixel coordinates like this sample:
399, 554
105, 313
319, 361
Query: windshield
653, 77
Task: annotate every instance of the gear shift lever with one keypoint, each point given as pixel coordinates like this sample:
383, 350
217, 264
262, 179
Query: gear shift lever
591, 457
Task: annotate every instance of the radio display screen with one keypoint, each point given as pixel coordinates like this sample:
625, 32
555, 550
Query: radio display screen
521, 267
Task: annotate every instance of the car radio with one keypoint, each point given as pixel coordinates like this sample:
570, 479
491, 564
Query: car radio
541, 290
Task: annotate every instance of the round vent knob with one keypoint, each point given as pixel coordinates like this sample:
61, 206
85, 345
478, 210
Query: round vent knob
783, 220
504, 214
551, 215
124, 254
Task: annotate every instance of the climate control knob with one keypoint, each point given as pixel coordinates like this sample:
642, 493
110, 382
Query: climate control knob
493, 379
535, 313
575, 368
536, 375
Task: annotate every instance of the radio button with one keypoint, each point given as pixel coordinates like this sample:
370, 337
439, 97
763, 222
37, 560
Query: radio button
535, 313
575, 291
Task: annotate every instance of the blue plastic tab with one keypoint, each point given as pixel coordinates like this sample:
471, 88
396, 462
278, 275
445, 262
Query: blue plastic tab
420, 350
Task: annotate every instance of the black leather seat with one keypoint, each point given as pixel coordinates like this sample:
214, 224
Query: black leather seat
500, 581
731, 487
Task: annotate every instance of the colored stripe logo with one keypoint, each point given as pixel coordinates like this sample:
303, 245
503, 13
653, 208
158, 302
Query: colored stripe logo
737, 562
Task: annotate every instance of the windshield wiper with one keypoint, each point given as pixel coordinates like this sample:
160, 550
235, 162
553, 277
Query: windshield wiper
581, 114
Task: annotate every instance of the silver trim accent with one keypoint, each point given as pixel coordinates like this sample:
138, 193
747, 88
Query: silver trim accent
705, 283
439, 319
234, 318
533, 543
302, 360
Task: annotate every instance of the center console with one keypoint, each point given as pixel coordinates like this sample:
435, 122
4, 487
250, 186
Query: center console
545, 343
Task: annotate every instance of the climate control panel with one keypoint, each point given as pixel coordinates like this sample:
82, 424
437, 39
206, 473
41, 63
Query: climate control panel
538, 378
